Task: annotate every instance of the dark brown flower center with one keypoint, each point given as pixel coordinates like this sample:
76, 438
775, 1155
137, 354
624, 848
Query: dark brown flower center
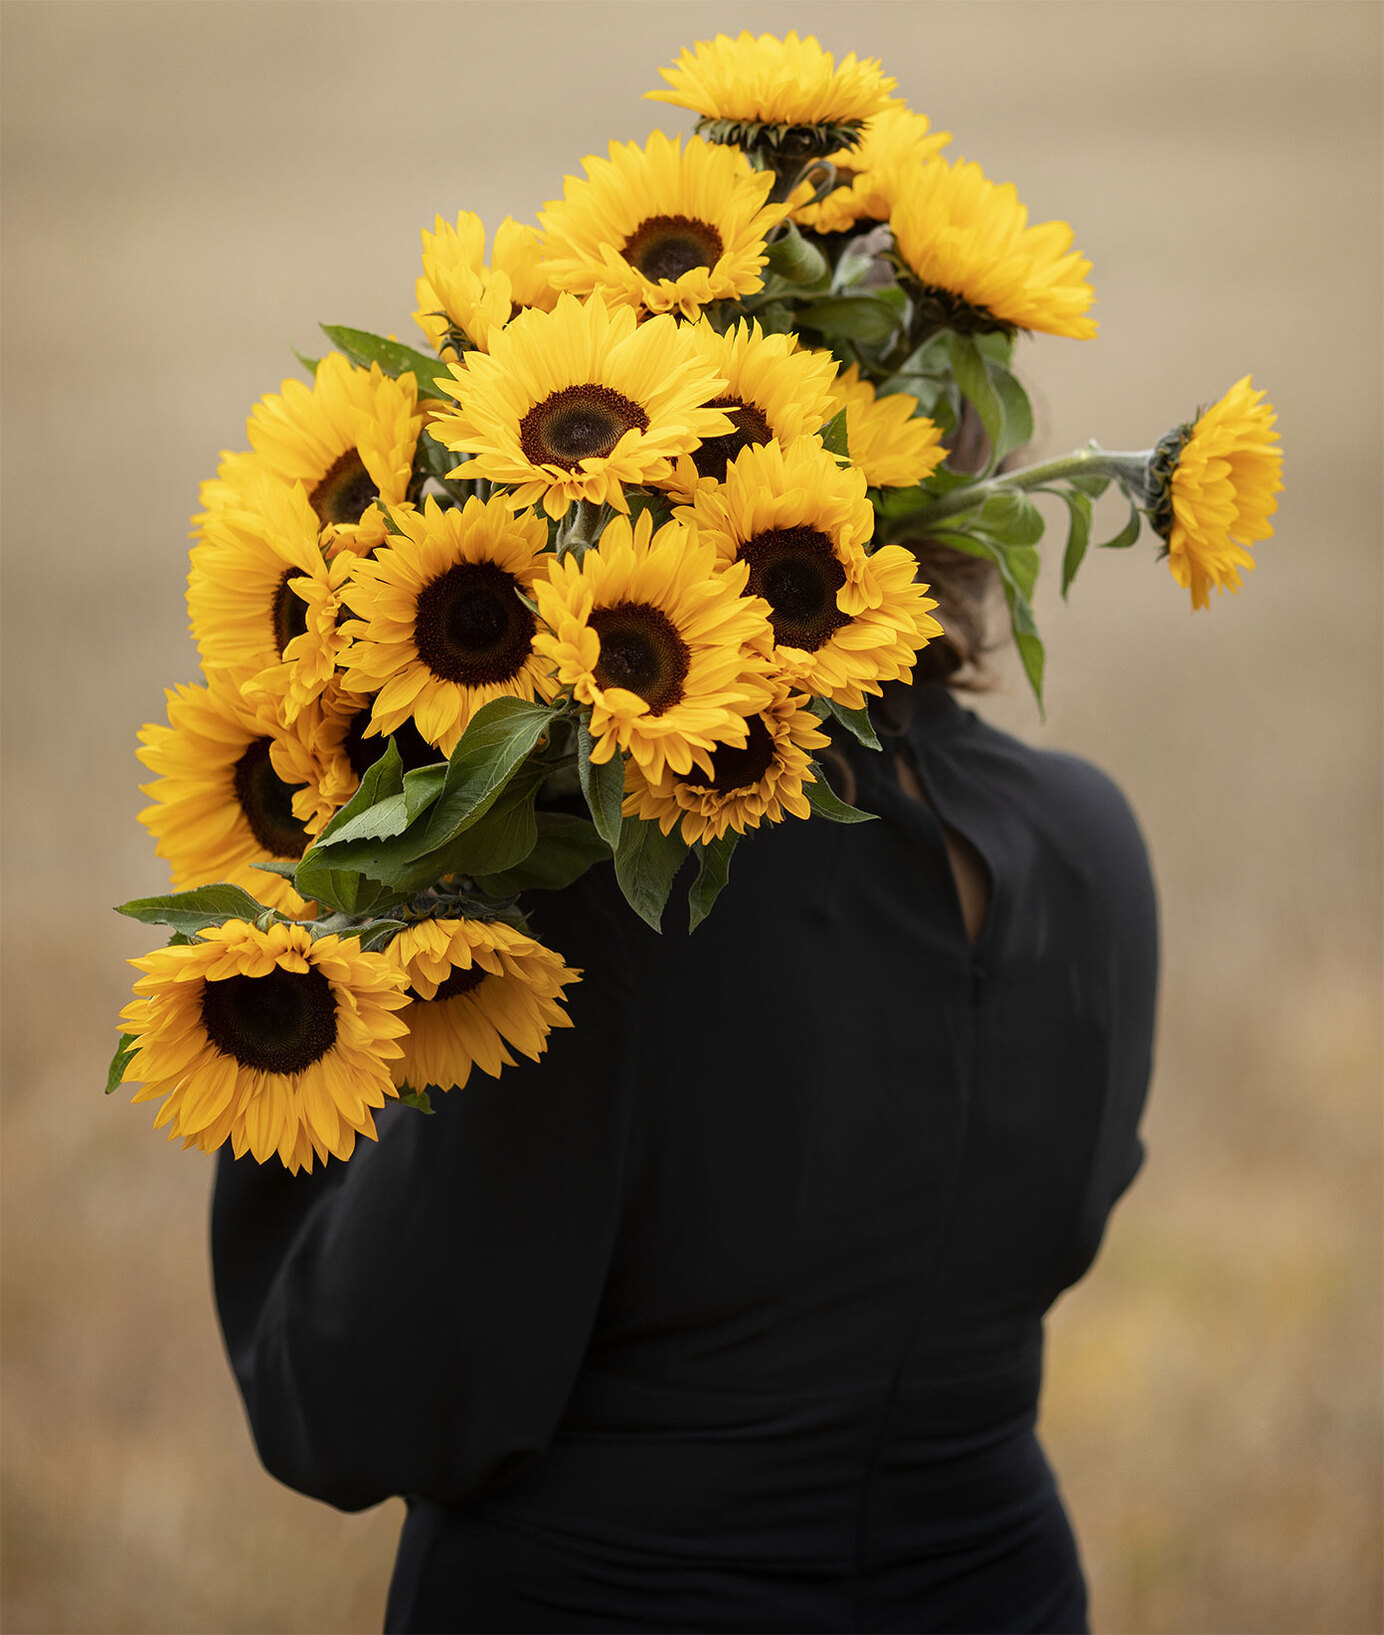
290, 612
267, 802
732, 768
641, 651
345, 492
669, 246
282, 1022
363, 752
461, 981
470, 627
578, 423
712, 456
796, 572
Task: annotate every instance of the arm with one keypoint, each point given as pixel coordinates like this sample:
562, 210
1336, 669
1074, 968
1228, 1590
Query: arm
412, 1321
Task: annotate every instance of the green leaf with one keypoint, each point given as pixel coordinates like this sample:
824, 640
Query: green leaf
833, 435
713, 870
500, 735
1090, 482
866, 317
1016, 408
856, 722
500, 839
1078, 535
1012, 517
195, 910
382, 821
793, 258
417, 1099
310, 364
645, 862
422, 786
603, 785
973, 377
361, 347
383, 778
1031, 652
379, 934
1023, 562
276, 865
567, 847
825, 802
342, 886
115, 1075
1128, 534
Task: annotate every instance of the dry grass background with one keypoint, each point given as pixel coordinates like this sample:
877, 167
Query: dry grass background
188, 188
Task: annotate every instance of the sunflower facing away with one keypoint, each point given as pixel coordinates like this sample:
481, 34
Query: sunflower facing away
773, 82
894, 447
745, 786
895, 140
978, 263
776, 391
662, 227
474, 987
660, 643
575, 403
1226, 470
262, 596
458, 294
219, 805
349, 438
272, 1040
843, 621
440, 629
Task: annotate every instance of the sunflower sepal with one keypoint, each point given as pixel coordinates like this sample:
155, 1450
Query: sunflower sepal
826, 803
797, 261
713, 871
834, 438
646, 862
195, 910
393, 357
417, 1099
124, 1050
309, 365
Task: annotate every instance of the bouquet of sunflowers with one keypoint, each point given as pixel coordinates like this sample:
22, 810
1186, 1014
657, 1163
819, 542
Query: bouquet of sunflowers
626, 537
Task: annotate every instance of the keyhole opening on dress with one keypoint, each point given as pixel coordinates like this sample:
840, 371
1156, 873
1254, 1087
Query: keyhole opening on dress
969, 869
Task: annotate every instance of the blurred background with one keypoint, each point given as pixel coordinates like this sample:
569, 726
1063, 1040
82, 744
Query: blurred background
188, 189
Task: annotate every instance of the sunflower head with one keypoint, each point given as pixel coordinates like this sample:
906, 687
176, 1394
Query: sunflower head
460, 298
658, 641
892, 446
975, 263
273, 1040
662, 227
783, 96
1212, 488
894, 140
576, 403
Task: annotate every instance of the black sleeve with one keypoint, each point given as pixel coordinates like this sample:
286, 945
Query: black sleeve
411, 1321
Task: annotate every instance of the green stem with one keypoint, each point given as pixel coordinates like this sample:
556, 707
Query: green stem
1129, 470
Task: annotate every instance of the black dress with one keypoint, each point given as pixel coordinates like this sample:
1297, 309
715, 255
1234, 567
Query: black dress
728, 1314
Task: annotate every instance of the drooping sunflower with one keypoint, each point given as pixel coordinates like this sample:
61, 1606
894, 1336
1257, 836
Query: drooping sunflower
219, 805
349, 438
746, 786
263, 596
272, 1040
892, 445
440, 630
575, 403
648, 631
664, 227
1214, 484
773, 82
977, 263
458, 294
843, 621
326, 756
894, 140
474, 986
776, 390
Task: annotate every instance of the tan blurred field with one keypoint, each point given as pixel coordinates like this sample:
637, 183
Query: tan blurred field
188, 188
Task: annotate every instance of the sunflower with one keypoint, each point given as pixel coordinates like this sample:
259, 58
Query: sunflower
773, 82
572, 404
327, 754
441, 631
895, 140
1213, 491
978, 264
775, 391
262, 596
745, 786
272, 1040
659, 642
893, 447
459, 295
663, 227
474, 986
843, 621
219, 804
349, 438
